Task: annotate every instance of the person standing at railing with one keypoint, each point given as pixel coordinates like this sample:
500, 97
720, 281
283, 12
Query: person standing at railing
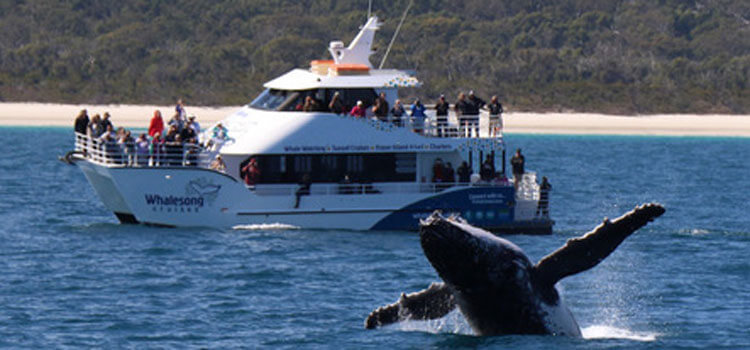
397, 112
441, 115
543, 205
94, 129
417, 116
487, 172
127, 147
359, 110
176, 122
336, 105
449, 175
517, 163
303, 190
250, 172
106, 122
173, 150
496, 116
156, 126
142, 150
464, 173
380, 109
193, 124
82, 122
157, 149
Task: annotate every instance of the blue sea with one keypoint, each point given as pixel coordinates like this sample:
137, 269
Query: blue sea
72, 277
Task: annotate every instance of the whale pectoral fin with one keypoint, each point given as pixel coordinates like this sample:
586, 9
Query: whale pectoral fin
585, 252
434, 302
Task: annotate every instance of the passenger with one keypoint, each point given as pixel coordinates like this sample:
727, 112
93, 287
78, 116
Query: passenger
127, 146
441, 115
464, 173
94, 129
438, 171
310, 105
250, 172
449, 175
157, 149
303, 190
106, 122
359, 110
171, 134
487, 172
380, 109
177, 121
193, 124
543, 205
417, 116
398, 112
496, 116
173, 150
218, 164
180, 109
336, 105
476, 102
188, 134
219, 132
517, 163
157, 124
141, 150
110, 149
82, 122
470, 112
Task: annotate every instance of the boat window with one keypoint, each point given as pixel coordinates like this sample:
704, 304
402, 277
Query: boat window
331, 168
269, 99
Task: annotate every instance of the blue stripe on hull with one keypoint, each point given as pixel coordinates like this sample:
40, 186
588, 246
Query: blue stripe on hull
486, 207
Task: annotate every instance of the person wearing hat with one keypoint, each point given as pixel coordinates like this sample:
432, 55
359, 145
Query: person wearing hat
359, 111
441, 114
496, 119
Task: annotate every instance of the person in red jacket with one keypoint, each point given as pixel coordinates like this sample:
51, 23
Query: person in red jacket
157, 124
359, 111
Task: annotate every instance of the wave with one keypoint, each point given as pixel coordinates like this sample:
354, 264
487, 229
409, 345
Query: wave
609, 332
274, 226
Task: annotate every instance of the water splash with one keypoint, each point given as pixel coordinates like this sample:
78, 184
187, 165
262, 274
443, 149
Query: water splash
454, 323
609, 332
274, 226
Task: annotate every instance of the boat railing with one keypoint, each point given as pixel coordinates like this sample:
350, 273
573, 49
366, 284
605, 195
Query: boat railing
453, 126
326, 189
131, 154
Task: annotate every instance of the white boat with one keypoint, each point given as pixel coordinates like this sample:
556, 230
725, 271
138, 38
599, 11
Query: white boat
363, 173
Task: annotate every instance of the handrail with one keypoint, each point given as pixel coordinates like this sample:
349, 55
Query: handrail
327, 189
132, 154
455, 126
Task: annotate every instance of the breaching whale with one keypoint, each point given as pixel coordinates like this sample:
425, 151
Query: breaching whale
493, 283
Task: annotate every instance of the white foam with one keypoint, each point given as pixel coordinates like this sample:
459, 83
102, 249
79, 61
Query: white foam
453, 323
609, 332
274, 226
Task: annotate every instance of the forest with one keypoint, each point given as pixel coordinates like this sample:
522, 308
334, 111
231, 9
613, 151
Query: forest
608, 56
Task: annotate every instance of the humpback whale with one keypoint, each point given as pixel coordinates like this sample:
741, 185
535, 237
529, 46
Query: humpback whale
495, 286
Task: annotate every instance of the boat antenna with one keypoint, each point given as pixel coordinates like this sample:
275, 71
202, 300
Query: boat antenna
393, 39
369, 9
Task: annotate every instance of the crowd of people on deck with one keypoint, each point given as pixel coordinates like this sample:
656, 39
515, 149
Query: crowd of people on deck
467, 109
174, 143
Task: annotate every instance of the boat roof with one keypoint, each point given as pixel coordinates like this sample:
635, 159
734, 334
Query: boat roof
303, 79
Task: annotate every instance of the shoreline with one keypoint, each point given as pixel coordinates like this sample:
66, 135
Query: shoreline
138, 116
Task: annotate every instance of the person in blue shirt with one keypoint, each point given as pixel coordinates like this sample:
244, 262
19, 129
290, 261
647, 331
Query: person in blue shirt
417, 116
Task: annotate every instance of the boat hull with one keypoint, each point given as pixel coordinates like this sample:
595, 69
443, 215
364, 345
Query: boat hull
198, 197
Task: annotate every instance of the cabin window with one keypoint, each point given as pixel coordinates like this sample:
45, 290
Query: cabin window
331, 168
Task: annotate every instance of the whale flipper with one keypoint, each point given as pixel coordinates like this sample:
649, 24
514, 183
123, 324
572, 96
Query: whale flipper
434, 302
585, 252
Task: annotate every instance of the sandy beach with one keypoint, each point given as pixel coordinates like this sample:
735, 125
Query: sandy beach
44, 114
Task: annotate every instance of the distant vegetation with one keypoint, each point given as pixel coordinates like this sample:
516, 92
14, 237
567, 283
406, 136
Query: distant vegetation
613, 56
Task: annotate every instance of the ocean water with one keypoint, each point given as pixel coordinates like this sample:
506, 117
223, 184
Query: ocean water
72, 277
